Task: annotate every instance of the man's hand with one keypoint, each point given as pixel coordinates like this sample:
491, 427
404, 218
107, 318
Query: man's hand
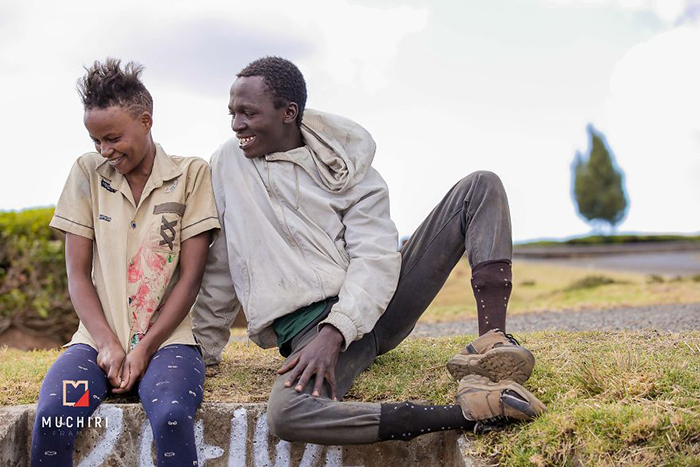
318, 357
134, 367
110, 358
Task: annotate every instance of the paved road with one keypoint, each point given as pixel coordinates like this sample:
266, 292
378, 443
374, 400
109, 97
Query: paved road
675, 318
683, 263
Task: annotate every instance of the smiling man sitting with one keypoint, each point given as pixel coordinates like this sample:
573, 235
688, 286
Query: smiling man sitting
309, 254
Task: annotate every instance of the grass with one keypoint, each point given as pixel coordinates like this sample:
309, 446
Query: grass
542, 287
613, 398
624, 398
21, 374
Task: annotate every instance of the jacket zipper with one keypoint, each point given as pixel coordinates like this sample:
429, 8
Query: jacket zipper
276, 196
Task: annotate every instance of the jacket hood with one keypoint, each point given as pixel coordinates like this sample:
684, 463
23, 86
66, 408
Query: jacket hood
341, 151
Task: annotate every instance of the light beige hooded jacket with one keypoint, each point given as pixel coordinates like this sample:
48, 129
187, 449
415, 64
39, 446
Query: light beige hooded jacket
298, 227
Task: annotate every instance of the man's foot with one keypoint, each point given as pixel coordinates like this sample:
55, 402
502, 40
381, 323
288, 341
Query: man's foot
495, 355
493, 405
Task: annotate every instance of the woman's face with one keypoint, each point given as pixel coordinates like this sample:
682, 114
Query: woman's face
119, 136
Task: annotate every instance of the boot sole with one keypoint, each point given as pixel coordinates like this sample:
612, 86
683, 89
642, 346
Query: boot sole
511, 363
531, 408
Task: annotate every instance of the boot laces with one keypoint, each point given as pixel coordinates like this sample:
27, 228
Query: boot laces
512, 339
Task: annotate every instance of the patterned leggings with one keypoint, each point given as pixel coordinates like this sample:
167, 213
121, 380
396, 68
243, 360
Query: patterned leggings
170, 391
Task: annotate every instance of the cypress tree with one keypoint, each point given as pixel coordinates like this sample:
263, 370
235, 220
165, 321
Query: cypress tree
598, 191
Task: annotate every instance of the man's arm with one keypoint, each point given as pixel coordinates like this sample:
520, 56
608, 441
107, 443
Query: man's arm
217, 305
371, 242
375, 263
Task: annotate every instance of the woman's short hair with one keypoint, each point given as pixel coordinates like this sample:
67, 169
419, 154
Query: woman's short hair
106, 84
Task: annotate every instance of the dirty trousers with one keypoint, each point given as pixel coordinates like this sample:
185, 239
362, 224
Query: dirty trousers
472, 217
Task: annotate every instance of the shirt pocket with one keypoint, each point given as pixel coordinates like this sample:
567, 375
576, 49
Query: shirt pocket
165, 229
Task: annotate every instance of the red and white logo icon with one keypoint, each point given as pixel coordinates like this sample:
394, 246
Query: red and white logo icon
77, 397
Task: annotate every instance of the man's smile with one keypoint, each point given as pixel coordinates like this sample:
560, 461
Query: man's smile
245, 141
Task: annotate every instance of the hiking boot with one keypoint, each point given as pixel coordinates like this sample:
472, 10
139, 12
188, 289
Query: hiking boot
495, 355
494, 405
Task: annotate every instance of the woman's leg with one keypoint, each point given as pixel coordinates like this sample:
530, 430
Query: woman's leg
57, 425
171, 391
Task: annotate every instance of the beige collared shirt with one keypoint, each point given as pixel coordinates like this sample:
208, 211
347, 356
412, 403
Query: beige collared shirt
136, 248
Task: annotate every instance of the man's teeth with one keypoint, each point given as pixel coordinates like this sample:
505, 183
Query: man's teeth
245, 140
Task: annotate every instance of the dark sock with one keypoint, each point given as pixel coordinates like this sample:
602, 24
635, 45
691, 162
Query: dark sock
406, 420
492, 284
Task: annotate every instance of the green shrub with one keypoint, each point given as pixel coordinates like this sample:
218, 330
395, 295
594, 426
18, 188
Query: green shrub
30, 223
655, 279
33, 284
590, 282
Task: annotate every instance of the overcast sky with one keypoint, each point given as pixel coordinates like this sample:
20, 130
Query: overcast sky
445, 88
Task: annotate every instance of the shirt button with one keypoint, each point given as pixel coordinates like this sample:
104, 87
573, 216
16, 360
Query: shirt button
133, 224
131, 262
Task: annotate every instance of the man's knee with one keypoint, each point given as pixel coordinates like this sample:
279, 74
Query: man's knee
287, 412
278, 422
483, 178
482, 186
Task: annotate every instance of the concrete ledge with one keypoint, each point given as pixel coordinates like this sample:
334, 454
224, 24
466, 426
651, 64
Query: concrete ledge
13, 436
226, 435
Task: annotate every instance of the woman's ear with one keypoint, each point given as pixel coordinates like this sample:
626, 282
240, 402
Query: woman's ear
146, 120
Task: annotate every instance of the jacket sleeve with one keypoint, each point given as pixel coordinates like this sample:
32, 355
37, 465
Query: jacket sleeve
371, 242
216, 306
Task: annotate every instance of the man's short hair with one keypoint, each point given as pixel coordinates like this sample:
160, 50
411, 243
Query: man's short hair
282, 78
106, 84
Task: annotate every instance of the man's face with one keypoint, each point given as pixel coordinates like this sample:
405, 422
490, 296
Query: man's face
118, 136
259, 126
